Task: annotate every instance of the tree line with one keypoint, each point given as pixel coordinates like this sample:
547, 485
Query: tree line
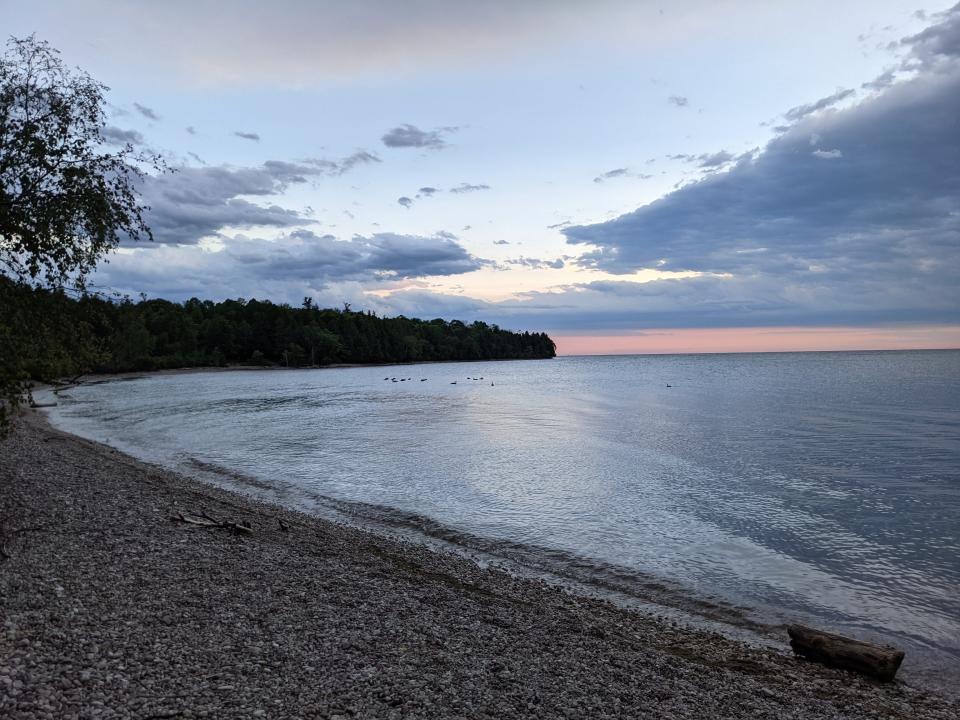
89, 333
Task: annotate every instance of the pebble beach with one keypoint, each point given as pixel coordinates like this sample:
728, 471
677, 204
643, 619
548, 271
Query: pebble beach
113, 606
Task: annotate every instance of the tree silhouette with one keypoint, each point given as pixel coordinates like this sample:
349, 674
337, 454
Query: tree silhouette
158, 334
65, 200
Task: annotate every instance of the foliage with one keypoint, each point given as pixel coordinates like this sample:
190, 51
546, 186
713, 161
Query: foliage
65, 200
92, 334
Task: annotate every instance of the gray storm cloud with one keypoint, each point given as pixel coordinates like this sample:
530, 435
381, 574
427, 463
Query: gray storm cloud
307, 255
861, 225
197, 202
280, 269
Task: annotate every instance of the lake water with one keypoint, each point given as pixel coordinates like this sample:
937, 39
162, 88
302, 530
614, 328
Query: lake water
755, 488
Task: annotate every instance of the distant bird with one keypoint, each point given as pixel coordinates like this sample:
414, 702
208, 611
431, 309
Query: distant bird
491, 384
386, 378
454, 382
423, 379
669, 385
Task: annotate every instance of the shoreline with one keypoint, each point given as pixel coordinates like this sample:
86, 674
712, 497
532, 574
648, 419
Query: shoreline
95, 377
108, 604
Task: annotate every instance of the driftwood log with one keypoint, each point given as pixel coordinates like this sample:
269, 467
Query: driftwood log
206, 521
878, 661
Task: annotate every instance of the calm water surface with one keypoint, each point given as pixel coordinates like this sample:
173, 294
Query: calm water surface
819, 486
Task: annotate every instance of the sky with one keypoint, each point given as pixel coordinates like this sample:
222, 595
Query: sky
628, 176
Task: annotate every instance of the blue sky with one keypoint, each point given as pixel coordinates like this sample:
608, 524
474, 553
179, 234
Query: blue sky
595, 170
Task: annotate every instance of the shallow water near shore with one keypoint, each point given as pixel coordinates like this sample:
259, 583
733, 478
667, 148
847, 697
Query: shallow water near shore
821, 487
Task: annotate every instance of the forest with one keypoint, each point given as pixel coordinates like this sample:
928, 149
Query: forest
90, 333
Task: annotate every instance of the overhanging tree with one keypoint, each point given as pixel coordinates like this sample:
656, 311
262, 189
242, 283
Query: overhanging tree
66, 199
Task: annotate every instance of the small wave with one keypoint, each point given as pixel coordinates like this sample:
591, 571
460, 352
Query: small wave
622, 585
232, 475
615, 582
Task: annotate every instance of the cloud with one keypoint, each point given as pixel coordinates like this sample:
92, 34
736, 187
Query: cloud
794, 234
247, 135
710, 301
938, 43
428, 191
340, 167
612, 174
537, 263
193, 203
678, 100
294, 43
361, 157
148, 113
618, 172
801, 111
715, 160
115, 136
288, 268
708, 161
881, 82
405, 201
468, 188
376, 257
404, 136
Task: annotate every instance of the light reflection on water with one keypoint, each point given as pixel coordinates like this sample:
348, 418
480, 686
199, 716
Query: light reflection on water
821, 485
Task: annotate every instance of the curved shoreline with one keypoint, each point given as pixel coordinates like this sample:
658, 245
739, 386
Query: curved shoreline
109, 606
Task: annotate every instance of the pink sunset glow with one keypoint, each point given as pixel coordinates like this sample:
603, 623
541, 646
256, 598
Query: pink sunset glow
761, 339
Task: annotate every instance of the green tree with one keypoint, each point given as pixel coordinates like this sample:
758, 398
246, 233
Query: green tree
132, 345
65, 200
325, 346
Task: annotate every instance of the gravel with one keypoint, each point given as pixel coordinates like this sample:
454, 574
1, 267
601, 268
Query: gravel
110, 609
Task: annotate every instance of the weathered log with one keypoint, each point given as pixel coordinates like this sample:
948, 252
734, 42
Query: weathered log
209, 522
878, 661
